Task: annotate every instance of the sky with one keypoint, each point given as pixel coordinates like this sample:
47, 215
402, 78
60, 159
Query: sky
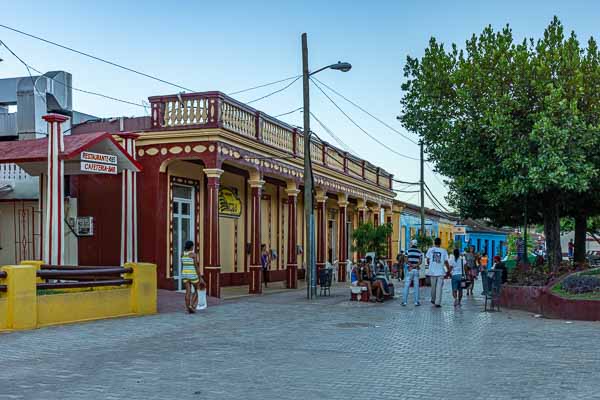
234, 45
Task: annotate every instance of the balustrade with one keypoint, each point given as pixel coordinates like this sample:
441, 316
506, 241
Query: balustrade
12, 172
216, 110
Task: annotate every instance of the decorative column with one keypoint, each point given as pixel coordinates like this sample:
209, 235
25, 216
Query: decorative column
376, 217
321, 229
292, 256
255, 287
388, 220
54, 196
361, 211
212, 259
342, 240
129, 204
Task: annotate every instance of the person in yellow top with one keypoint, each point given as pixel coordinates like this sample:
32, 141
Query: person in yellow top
190, 273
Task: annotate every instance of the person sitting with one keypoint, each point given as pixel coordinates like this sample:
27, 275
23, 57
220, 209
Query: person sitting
382, 276
364, 276
499, 265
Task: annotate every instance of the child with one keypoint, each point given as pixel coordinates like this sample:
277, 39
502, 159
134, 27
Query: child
190, 273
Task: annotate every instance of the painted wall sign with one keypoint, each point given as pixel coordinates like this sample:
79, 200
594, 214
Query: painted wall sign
98, 168
98, 157
230, 204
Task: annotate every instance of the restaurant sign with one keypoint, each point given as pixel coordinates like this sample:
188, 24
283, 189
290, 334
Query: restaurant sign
230, 204
98, 163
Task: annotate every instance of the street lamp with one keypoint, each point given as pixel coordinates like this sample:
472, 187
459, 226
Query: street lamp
309, 253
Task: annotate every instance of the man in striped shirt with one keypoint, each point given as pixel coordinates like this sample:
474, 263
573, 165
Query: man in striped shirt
414, 258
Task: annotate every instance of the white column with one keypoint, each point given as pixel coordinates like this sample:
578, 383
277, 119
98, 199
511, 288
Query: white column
54, 198
129, 204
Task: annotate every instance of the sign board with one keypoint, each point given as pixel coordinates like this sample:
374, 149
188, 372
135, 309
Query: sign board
230, 204
460, 230
83, 226
98, 158
98, 168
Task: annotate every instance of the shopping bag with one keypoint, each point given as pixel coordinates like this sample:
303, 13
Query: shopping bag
202, 303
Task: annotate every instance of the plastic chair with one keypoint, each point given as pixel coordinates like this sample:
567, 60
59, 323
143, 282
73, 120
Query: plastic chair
325, 277
494, 287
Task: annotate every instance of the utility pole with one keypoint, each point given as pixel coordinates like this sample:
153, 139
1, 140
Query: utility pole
422, 182
308, 180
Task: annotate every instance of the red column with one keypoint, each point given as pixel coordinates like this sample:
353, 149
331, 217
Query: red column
361, 215
321, 232
292, 256
376, 212
212, 261
342, 244
388, 220
255, 286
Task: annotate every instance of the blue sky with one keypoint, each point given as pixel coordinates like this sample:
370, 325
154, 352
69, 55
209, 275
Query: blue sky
227, 46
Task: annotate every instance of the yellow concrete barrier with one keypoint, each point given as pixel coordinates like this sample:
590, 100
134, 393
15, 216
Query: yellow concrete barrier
21, 297
22, 308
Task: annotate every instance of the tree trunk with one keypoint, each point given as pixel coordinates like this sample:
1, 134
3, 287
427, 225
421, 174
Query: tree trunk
580, 238
552, 232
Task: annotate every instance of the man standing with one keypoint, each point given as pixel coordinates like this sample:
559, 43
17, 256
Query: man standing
437, 259
571, 248
414, 258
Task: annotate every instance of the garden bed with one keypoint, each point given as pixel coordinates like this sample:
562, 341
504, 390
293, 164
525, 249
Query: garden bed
552, 301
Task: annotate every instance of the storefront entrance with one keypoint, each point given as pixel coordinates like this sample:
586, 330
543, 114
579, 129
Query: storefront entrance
183, 225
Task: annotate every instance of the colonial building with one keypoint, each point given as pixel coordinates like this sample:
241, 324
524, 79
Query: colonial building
482, 238
229, 178
436, 225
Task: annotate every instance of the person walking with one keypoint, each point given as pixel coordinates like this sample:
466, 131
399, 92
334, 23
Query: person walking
437, 258
457, 271
414, 258
265, 262
472, 270
190, 273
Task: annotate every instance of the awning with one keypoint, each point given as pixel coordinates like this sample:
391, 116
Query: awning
32, 155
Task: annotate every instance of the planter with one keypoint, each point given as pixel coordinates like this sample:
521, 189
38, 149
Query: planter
541, 300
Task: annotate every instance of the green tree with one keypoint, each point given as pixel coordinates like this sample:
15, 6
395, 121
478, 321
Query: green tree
507, 123
369, 238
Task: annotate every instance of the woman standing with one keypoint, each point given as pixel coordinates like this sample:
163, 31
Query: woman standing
265, 262
190, 273
457, 271
471, 271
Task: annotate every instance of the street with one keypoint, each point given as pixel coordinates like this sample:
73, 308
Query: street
280, 346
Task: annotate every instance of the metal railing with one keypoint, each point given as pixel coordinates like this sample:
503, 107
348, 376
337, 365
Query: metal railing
69, 277
216, 110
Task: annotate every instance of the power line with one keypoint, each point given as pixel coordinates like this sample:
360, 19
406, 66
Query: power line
289, 112
263, 85
114, 64
64, 84
333, 135
406, 191
435, 200
406, 183
359, 127
367, 112
274, 92
33, 81
435, 176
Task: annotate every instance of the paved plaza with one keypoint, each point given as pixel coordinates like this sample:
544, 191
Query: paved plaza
280, 346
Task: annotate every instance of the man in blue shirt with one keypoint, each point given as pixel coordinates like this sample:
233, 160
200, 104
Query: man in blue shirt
414, 258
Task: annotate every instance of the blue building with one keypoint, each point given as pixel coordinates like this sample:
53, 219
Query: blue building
410, 224
482, 238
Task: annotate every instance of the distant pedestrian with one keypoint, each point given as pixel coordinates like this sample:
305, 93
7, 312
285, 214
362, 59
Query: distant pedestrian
437, 259
190, 274
472, 269
499, 265
414, 258
265, 262
401, 260
457, 271
571, 248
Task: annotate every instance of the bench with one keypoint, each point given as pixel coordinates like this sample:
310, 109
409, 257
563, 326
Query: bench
363, 292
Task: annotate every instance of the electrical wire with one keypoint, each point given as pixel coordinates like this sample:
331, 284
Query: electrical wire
359, 127
263, 85
333, 135
114, 64
367, 112
435, 200
274, 92
64, 84
435, 175
289, 112
406, 183
33, 81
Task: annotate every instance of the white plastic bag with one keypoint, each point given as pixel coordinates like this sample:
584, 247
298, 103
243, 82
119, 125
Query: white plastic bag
202, 303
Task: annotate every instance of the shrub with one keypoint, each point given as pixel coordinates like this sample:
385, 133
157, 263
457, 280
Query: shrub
576, 284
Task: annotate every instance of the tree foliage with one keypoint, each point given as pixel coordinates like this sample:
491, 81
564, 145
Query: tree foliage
369, 238
511, 123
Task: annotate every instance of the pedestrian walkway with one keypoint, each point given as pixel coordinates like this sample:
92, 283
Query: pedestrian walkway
282, 346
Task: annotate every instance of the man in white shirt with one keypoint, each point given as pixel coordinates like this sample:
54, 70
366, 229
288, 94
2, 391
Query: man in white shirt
437, 259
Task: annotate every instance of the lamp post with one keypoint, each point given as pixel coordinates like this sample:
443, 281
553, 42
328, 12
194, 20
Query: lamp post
309, 252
